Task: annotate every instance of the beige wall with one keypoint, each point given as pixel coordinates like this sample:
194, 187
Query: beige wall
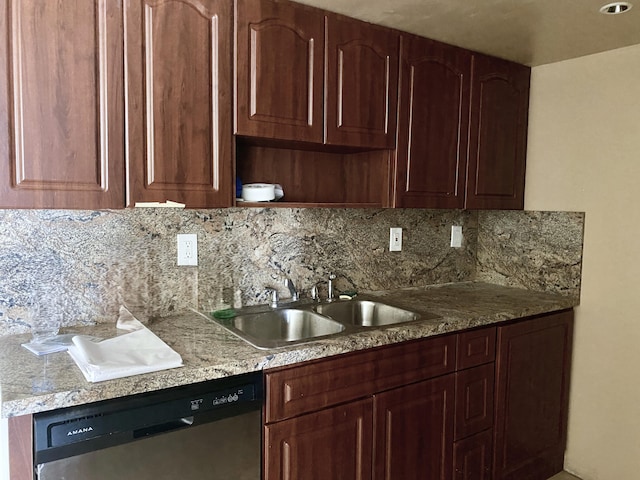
584, 155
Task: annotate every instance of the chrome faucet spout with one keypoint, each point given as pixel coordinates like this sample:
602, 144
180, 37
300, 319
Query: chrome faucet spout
292, 289
332, 277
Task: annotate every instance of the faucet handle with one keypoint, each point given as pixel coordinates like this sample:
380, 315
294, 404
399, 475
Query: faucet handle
332, 277
292, 288
314, 293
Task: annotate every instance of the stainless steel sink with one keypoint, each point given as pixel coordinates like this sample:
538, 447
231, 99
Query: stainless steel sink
281, 327
365, 313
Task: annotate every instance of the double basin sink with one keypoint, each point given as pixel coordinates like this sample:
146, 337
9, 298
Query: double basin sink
300, 323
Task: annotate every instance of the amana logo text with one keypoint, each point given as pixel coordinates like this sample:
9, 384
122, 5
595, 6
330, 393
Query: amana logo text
79, 431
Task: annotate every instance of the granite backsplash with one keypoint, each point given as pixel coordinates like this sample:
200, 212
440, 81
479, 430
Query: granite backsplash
102, 259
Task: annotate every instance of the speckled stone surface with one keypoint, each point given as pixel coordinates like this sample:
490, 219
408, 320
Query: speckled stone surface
31, 384
534, 250
106, 258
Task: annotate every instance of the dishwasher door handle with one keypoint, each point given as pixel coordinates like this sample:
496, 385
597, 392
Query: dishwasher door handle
170, 426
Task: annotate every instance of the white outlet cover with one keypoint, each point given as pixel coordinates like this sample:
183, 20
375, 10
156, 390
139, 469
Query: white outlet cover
187, 249
395, 239
456, 236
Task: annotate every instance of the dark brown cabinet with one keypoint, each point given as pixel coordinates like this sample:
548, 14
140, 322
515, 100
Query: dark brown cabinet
306, 75
179, 60
462, 128
472, 457
61, 104
414, 431
279, 71
433, 123
361, 83
532, 392
335, 443
385, 413
498, 134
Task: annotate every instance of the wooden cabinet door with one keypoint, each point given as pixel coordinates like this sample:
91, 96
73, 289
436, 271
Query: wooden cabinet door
433, 124
414, 431
61, 104
532, 392
279, 70
361, 82
179, 101
474, 400
498, 134
335, 444
472, 457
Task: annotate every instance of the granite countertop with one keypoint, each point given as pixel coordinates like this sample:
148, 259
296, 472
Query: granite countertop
30, 384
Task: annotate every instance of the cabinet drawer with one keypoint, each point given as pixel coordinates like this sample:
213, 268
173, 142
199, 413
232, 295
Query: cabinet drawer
474, 400
304, 388
472, 457
476, 347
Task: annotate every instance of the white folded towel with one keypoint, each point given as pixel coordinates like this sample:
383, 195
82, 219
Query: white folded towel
140, 351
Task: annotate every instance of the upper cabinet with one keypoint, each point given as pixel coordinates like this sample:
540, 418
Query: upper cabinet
279, 71
61, 104
462, 129
179, 59
361, 83
433, 123
498, 135
303, 75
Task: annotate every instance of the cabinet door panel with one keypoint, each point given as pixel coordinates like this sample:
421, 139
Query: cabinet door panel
414, 431
433, 124
474, 400
498, 138
335, 444
361, 82
472, 457
179, 60
279, 77
61, 104
532, 392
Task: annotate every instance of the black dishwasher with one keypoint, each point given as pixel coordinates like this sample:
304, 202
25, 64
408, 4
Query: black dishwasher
209, 430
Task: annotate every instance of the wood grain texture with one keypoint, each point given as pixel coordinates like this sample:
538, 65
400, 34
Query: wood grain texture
319, 177
292, 391
533, 367
472, 457
433, 123
414, 431
179, 101
474, 400
279, 70
61, 104
498, 134
361, 82
335, 443
476, 347
21, 448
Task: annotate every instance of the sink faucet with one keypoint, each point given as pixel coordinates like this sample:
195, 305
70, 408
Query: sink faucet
292, 289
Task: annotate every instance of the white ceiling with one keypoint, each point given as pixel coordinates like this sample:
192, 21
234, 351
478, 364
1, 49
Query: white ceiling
531, 32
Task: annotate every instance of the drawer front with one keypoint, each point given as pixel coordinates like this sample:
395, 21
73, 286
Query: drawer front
472, 457
476, 347
474, 400
292, 391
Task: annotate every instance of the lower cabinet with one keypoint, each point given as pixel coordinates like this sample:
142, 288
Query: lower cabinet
485, 404
472, 457
532, 395
414, 431
334, 443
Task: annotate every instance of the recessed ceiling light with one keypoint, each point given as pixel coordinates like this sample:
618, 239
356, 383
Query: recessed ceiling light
615, 8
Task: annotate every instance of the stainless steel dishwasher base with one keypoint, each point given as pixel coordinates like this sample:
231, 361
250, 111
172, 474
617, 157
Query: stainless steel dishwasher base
221, 440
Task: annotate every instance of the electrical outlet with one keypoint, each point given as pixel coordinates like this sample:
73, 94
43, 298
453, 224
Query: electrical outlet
456, 236
187, 249
395, 239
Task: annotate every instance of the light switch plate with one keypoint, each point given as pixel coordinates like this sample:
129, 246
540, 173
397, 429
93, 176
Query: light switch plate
187, 249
